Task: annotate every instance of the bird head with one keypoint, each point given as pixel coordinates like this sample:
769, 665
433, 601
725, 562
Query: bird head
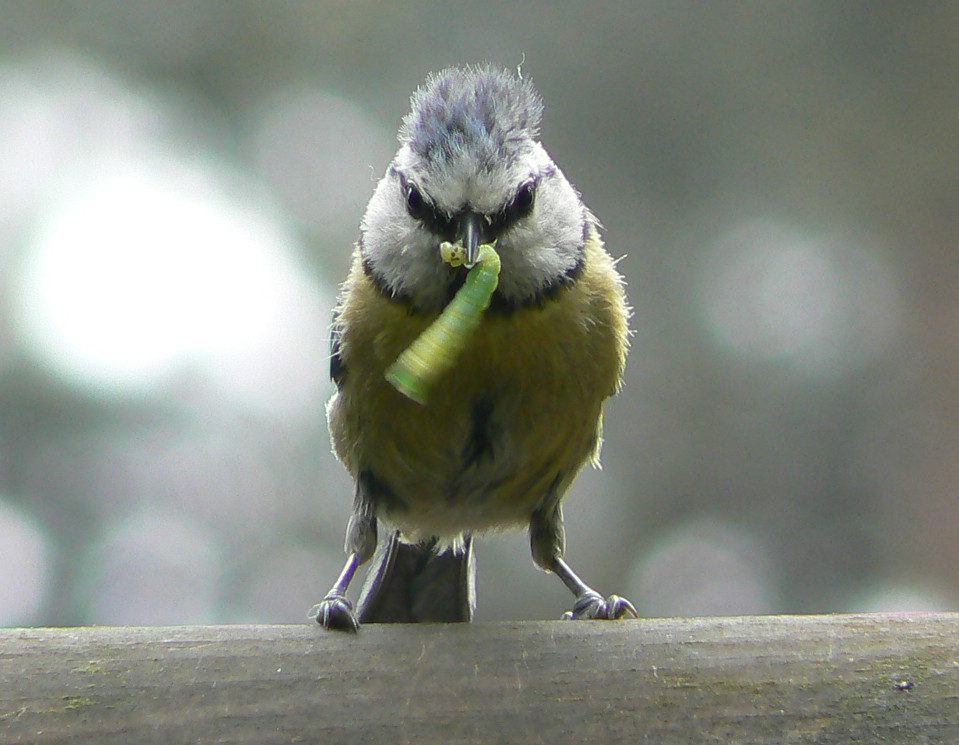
471, 170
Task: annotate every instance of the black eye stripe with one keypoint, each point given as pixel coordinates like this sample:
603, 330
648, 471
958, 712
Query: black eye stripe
416, 204
523, 201
420, 207
520, 206
414, 201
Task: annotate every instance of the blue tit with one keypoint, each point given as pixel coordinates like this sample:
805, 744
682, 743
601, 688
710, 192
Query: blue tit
507, 427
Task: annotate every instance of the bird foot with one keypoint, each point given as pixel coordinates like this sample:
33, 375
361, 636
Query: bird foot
592, 606
335, 613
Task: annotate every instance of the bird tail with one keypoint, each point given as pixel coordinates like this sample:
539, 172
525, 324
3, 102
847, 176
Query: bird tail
411, 583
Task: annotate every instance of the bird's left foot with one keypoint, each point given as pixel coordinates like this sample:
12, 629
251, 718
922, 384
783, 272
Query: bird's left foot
592, 606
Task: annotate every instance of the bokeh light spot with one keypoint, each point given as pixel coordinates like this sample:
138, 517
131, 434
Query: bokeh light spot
705, 568
917, 596
150, 271
824, 307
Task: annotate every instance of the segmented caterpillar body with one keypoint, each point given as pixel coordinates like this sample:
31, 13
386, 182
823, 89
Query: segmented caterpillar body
434, 351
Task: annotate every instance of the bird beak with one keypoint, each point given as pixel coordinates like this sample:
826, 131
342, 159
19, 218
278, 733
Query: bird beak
471, 234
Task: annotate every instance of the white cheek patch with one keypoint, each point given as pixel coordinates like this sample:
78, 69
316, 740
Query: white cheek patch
537, 252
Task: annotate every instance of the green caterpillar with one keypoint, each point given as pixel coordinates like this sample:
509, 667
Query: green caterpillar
435, 350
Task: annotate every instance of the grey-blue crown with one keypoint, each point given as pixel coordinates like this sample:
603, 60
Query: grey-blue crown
479, 112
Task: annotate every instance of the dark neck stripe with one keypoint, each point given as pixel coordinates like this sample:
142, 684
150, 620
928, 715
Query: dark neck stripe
549, 292
500, 304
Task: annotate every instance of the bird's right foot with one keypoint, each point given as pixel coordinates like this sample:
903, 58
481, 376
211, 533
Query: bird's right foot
335, 612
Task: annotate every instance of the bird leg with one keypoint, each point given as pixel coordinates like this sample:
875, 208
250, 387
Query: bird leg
335, 610
547, 542
589, 603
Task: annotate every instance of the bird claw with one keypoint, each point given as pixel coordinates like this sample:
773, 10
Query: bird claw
592, 606
335, 613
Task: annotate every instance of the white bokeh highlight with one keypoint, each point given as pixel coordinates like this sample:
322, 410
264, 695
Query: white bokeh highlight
821, 305
151, 271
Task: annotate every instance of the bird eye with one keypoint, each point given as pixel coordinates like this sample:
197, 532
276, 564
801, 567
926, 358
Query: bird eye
415, 202
523, 201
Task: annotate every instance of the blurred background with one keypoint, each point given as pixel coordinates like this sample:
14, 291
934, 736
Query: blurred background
180, 187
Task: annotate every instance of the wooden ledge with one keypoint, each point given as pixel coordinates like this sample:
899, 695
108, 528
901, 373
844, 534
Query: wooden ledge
770, 679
